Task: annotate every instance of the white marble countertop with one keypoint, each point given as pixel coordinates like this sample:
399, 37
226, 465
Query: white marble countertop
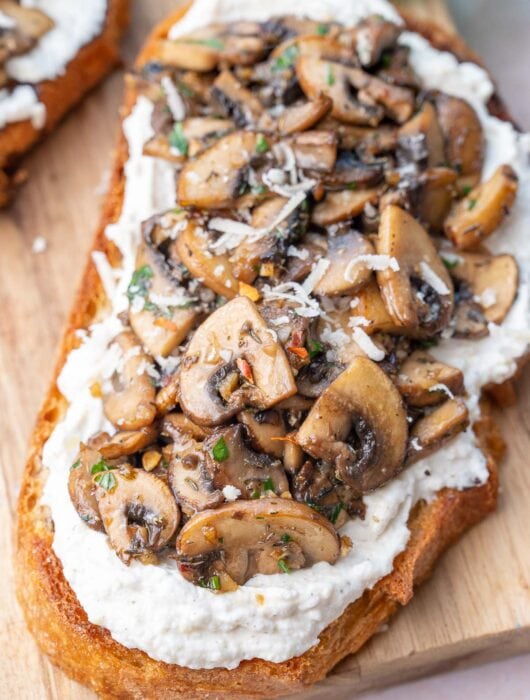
499, 31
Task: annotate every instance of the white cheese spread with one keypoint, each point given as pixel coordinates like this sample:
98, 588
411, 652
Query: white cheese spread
73, 28
152, 607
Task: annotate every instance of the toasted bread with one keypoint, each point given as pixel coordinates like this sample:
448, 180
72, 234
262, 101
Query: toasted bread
88, 653
92, 63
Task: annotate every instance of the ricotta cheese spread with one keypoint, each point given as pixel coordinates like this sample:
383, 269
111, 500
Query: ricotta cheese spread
74, 27
271, 617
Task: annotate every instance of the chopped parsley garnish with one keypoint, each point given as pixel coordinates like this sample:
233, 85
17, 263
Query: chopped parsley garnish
259, 189
283, 566
352, 186
262, 145
178, 140
322, 29
450, 264
330, 76
185, 89
101, 466
471, 204
268, 485
465, 190
286, 537
256, 493
220, 450
76, 464
214, 582
335, 512
428, 343
385, 59
212, 43
140, 283
314, 348
106, 480
287, 58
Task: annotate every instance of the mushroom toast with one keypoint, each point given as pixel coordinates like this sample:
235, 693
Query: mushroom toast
51, 54
268, 421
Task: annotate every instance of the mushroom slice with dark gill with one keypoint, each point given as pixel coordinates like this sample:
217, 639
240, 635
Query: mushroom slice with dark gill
233, 362
138, 511
237, 103
131, 403
238, 540
359, 424
232, 462
303, 116
315, 150
436, 428
372, 37
82, 487
492, 281
21, 28
424, 381
187, 138
161, 310
481, 212
418, 295
217, 177
266, 430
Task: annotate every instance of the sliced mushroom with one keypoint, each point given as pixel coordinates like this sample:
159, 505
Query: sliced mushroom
435, 196
339, 206
167, 396
315, 377
245, 538
233, 362
237, 103
419, 295
477, 216
189, 479
436, 428
21, 28
217, 177
350, 172
131, 405
194, 56
368, 303
315, 150
424, 131
300, 117
215, 271
372, 37
197, 134
265, 427
161, 310
492, 279
358, 423
231, 461
138, 511
82, 488
344, 275
463, 136
127, 442
424, 381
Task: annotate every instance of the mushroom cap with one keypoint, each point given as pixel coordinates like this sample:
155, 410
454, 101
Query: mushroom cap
82, 489
408, 292
361, 404
343, 275
422, 378
234, 331
139, 513
248, 527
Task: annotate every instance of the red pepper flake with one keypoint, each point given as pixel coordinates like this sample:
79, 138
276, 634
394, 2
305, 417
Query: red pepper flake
300, 352
297, 339
245, 369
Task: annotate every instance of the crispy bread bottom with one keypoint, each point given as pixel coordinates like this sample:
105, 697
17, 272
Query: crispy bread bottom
88, 653
83, 72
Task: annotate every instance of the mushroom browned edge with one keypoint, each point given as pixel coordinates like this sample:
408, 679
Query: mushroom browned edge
273, 364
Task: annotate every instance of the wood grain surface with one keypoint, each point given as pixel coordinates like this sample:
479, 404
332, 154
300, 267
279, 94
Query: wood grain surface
477, 605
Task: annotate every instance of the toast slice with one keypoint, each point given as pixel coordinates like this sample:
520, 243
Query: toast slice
91, 64
88, 653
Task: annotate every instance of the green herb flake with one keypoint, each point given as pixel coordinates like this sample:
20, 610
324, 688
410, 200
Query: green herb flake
450, 264
465, 190
140, 282
262, 145
268, 485
352, 186
336, 512
76, 464
330, 76
314, 348
212, 43
385, 59
214, 582
259, 189
286, 537
255, 494
287, 58
220, 450
472, 203
106, 480
178, 140
185, 89
428, 343
322, 29
283, 566
100, 466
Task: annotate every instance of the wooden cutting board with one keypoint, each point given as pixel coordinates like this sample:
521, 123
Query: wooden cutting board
477, 605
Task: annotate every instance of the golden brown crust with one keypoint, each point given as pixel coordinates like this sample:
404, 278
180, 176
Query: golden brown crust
89, 654
85, 71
